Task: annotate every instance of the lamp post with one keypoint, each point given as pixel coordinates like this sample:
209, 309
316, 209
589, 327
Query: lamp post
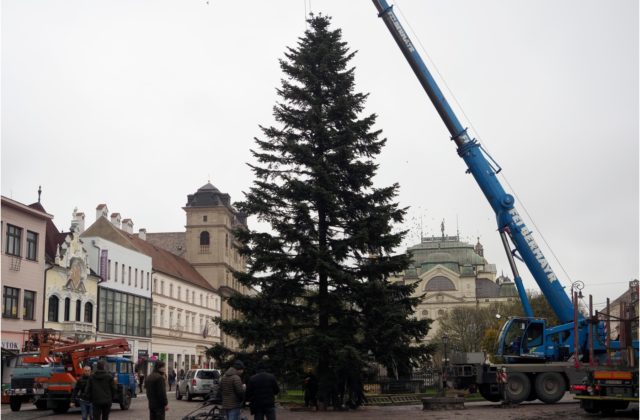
445, 341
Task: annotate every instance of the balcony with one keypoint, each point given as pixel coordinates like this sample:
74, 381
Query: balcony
78, 327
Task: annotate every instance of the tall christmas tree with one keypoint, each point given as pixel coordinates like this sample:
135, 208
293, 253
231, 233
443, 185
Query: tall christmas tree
324, 301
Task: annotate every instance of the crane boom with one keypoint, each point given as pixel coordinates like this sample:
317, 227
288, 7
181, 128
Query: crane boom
509, 221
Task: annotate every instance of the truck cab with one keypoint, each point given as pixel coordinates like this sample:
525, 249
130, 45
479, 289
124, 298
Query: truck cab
23, 384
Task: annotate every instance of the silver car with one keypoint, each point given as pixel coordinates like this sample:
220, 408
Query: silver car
197, 383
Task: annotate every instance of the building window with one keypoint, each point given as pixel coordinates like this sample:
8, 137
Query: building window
123, 313
193, 297
162, 317
171, 290
122, 273
200, 299
162, 287
135, 279
204, 242
78, 310
155, 316
67, 308
155, 285
129, 275
29, 304
115, 272
186, 295
142, 279
53, 309
204, 218
88, 312
11, 296
14, 237
32, 245
193, 323
147, 281
109, 270
179, 293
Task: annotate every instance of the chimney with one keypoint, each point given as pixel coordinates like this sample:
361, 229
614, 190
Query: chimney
142, 234
102, 211
77, 221
115, 219
127, 225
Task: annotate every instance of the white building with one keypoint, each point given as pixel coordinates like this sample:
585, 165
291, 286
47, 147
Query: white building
124, 293
184, 304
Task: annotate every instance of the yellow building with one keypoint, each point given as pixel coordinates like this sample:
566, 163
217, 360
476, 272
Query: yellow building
72, 290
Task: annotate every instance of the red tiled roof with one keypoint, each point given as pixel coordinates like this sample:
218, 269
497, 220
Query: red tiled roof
168, 263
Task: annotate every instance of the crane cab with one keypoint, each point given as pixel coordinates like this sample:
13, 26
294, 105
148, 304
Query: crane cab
523, 339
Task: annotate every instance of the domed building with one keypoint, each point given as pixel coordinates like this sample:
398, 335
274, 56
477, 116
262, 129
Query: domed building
451, 273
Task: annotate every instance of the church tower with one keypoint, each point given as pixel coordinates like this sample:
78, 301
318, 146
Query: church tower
209, 236
209, 244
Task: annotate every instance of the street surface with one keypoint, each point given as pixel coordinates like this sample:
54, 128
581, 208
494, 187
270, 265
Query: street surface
566, 408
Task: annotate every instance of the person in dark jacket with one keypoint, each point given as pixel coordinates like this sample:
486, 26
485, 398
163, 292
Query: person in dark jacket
262, 389
79, 396
157, 392
100, 390
233, 390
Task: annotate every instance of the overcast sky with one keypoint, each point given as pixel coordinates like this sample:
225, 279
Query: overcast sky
138, 103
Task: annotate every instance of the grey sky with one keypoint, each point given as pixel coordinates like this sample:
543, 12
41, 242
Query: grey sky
138, 103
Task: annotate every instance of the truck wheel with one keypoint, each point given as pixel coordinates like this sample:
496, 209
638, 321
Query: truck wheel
41, 404
61, 407
15, 403
550, 387
485, 391
518, 387
590, 406
126, 402
608, 407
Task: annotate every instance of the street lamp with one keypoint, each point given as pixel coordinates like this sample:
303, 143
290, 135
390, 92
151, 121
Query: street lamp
445, 341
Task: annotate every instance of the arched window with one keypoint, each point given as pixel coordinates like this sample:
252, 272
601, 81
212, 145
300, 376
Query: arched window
78, 309
439, 284
425, 313
67, 309
53, 309
88, 312
204, 242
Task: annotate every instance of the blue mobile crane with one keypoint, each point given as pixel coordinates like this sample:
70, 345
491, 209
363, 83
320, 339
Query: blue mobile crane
535, 354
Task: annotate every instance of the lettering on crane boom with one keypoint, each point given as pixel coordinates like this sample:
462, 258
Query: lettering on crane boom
537, 252
401, 32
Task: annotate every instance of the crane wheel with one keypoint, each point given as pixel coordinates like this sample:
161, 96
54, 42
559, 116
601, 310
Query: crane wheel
518, 387
550, 387
485, 391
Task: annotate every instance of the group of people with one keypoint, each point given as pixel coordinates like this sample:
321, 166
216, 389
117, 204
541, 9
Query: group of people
95, 392
259, 392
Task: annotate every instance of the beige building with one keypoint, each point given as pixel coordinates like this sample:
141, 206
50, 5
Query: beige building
184, 304
208, 244
23, 267
450, 273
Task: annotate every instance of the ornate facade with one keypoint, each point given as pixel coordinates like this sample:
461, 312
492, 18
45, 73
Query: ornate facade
450, 273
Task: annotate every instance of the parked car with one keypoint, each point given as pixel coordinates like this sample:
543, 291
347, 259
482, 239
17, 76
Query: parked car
197, 383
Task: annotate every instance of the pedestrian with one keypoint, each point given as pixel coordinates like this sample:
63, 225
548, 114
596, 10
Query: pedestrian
100, 390
233, 390
79, 394
157, 392
141, 378
262, 389
172, 378
311, 390
181, 377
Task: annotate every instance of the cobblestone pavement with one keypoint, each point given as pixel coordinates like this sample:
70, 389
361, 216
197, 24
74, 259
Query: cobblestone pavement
567, 408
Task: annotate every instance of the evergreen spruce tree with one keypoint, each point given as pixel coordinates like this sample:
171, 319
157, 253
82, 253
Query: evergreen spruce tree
321, 274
